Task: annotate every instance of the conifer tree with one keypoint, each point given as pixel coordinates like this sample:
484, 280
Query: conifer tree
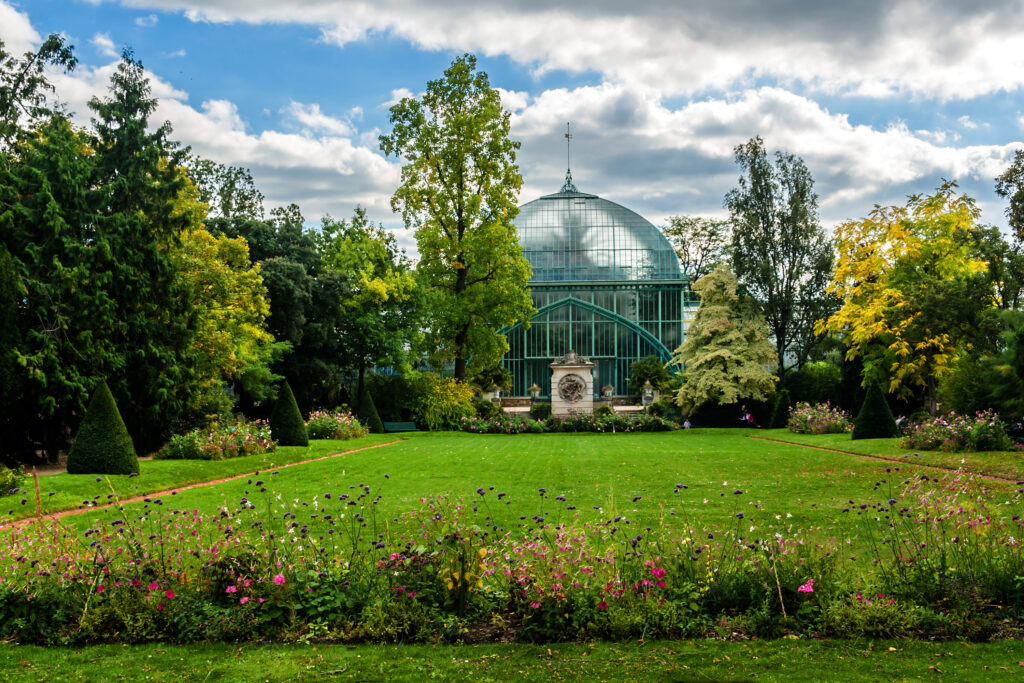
286, 424
780, 413
726, 354
875, 420
102, 445
368, 413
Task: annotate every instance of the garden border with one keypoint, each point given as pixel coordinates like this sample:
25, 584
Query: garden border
991, 477
135, 499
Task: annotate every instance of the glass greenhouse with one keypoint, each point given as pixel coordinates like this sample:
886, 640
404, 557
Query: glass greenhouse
606, 283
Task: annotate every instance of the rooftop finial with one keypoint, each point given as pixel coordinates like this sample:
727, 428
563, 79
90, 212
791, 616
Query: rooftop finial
568, 186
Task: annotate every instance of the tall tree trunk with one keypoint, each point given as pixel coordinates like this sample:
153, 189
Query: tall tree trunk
460, 355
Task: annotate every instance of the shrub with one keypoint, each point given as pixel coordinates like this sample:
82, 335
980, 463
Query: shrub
286, 423
649, 369
440, 402
780, 412
604, 411
660, 408
220, 441
102, 445
875, 420
368, 413
10, 479
339, 425
817, 382
485, 408
952, 432
540, 411
821, 418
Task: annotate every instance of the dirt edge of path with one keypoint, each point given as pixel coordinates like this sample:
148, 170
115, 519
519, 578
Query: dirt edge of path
157, 494
902, 462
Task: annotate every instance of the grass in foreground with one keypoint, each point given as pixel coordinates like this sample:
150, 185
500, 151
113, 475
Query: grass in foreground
1006, 464
71, 491
709, 660
632, 475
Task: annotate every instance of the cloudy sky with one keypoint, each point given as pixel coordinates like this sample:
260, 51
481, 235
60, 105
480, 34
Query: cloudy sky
882, 98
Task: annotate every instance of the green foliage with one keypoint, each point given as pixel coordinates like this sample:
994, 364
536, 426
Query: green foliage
700, 243
726, 353
440, 402
1010, 185
954, 433
820, 418
540, 411
102, 445
11, 479
227, 191
458, 191
780, 410
815, 382
875, 420
24, 86
607, 411
649, 369
486, 408
286, 424
780, 253
367, 412
391, 397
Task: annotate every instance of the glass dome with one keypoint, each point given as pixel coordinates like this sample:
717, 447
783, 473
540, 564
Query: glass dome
574, 236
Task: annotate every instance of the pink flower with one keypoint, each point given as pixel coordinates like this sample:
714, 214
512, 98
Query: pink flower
279, 579
169, 594
244, 600
807, 587
602, 605
535, 605
658, 572
231, 589
247, 583
154, 586
136, 582
100, 588
160, 606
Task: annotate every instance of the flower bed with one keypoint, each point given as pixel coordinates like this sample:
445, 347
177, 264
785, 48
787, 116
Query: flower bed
820, 418
339, 425
952, 432
934, 560
506, 424
220, 441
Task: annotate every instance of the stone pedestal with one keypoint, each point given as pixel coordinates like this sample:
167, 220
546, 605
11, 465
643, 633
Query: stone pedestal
572, 385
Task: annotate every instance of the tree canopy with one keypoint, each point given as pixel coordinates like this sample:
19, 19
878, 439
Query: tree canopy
458, 191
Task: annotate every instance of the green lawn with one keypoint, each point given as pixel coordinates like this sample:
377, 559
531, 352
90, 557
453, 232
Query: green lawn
71, 491
783, 485
1006, 464
709, 660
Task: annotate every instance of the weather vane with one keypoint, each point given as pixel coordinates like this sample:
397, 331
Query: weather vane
568, 186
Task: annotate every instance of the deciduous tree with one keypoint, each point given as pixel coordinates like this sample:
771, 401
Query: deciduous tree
700, 243
458, 191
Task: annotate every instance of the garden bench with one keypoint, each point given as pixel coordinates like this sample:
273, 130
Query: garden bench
400, 427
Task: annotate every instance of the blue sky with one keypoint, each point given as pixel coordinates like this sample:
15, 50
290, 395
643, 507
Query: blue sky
881, 99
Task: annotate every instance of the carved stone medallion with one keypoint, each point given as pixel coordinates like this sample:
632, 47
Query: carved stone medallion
571, 388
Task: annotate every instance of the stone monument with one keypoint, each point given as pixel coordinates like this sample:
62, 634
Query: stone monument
572, 385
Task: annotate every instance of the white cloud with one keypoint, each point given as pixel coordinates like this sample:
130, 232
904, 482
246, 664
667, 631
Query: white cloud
16, 31
147, 21
966, 122
876, 48
313, 120
397, 96
104, 45
176, 53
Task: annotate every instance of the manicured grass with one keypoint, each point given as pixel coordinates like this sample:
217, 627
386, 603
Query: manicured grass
784, 486
1007, 464
70, 491
709, 660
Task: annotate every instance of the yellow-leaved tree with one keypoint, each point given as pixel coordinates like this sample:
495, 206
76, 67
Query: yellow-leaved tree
913, 290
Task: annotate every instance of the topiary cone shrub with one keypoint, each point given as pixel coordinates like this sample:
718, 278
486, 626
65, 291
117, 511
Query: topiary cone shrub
368, 413
780, 414
102, 445
286, 425
875, 420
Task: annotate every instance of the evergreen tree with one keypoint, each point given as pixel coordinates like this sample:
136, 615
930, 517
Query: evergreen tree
780, 413
286, 424
102, 445
875, 420
726, 354
368, 413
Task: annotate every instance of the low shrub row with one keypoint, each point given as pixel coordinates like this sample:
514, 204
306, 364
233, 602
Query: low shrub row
981, 432
220, 441
820, 418
339, 424
519, 424
917, 562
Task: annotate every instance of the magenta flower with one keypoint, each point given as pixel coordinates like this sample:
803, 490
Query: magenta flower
279, 579
100, 588
244, 600
231, 589
807, 587
602, 605
169, 594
